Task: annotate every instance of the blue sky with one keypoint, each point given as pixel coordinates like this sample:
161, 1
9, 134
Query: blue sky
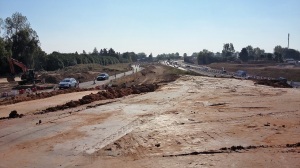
159, 26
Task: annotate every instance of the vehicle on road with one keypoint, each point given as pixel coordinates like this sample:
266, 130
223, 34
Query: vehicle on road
67, 83
282, 79
102, 76
241, 73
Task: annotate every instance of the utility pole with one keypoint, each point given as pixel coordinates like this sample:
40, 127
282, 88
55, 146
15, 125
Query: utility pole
288, 41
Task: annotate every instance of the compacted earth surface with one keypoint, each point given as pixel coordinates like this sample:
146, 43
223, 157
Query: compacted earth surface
190, 121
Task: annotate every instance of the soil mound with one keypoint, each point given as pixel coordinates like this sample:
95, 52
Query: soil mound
273, 83
41, 95
109, 93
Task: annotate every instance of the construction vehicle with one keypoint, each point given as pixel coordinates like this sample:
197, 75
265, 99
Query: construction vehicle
28, 76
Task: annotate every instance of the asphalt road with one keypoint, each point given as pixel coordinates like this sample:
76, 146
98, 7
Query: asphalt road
91, 84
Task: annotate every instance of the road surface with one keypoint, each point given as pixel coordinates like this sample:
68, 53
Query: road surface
91, 84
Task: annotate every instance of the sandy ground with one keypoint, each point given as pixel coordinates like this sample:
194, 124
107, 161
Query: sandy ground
183, 124
40, 104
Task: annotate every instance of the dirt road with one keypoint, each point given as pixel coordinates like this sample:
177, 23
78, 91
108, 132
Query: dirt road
192, 122
40, 104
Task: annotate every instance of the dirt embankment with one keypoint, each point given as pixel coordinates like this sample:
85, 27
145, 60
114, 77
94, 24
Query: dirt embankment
151, 74
41, 95
273, 83
109, 93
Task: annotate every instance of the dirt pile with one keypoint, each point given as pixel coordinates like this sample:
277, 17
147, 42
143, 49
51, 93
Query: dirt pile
109, 93
13, 114
41, 95
150, 74
273, 83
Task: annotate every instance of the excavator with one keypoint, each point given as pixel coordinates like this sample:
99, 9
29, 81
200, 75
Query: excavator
28, 76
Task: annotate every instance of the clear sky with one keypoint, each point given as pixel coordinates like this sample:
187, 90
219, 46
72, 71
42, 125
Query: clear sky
159, 26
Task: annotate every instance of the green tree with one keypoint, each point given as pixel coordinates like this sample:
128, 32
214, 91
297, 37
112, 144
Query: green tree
205, 57
16, 23
39, 59
269, 56
141, 56
185, 57
228, 50
105, 53
291, 53
4, 68
95, 51
257, 53
250, 51
22, 39
127, 56
278, 49
1, 25
24, 45
278, 57
243, 55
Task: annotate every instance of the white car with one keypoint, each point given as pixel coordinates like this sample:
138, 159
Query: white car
67, 83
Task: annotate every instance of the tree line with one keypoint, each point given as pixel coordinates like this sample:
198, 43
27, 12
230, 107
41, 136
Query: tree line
247, 54
19, 41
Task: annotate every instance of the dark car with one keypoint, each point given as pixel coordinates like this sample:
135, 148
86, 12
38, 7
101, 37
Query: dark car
282, 79
102, 76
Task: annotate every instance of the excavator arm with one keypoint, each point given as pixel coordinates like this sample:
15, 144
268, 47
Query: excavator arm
11, 66
18, 63
13, 62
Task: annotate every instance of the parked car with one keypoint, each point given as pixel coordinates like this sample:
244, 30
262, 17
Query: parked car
102, 76
241, 73
67, 83
282, 79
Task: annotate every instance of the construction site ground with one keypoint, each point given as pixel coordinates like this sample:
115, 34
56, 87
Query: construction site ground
190, 121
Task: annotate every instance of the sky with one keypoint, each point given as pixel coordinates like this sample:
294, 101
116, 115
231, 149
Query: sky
159, 26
